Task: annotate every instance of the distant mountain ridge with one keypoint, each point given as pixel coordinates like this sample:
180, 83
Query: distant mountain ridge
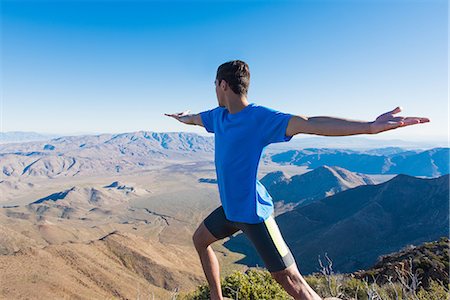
106, 153
431, 163
24, 136
357, 225
314, 185
175, 141
359, 142
128, 152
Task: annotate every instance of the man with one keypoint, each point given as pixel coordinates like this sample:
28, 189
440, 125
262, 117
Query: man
242, 130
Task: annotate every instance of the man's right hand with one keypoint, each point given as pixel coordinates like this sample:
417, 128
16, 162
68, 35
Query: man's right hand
183, 117
186, 118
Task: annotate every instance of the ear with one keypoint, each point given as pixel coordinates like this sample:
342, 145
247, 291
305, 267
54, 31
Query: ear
224, 85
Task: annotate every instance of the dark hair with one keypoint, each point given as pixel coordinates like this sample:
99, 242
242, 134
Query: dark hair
237, 74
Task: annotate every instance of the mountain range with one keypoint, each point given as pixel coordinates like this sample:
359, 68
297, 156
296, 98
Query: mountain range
314, 185
106, 153
299, 141
24, 136
136, 151
430, 163
355, 226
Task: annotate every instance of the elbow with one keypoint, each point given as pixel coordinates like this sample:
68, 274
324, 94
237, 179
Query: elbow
298, 124
197, 120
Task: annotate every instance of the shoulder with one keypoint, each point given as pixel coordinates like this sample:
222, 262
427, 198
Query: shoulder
259, 109
265, 111
218, 112
218, 109
212, 111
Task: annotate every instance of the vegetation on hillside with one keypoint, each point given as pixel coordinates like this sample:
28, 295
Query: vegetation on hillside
414, 273
429, 261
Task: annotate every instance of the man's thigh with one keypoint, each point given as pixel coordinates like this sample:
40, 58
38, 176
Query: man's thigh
218, 225
270, 245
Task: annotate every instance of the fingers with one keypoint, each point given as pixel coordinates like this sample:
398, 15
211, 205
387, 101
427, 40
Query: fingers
407, 120
180, 114
389, 123
396, 110
421, 120
176, 116
414, 120
389, 114
172, 115
403, 121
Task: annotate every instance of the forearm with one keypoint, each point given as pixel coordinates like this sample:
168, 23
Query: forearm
192, 119
189, 119
331, 126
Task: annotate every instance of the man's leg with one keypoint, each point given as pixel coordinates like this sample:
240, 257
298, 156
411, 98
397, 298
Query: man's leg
294, 283
270, 245
214, 227
202, 241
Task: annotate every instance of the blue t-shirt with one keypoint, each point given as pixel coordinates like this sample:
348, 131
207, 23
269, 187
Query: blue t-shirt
239, 142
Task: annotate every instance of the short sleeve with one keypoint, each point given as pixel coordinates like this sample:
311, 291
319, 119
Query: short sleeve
274, 125
208, 119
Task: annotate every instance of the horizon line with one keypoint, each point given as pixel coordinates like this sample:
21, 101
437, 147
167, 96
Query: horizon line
365, 136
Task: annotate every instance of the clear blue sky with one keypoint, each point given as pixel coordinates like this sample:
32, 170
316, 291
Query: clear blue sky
112, 66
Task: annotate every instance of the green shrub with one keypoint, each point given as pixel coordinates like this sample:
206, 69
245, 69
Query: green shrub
355, 288
436, 291
253, 284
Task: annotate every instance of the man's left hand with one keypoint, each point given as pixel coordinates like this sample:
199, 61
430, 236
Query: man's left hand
387, 121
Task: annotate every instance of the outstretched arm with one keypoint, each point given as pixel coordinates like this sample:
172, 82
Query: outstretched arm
184, 117
331, 126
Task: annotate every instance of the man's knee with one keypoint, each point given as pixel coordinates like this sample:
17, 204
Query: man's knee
290, 275
293, 282
197, 239
281, 276
202, 238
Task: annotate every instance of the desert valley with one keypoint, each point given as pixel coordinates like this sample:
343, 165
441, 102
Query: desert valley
112, 215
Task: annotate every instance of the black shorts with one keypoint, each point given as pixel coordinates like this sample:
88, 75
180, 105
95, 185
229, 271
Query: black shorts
265, 236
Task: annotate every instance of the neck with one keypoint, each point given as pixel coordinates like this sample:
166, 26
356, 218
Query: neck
236, 103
